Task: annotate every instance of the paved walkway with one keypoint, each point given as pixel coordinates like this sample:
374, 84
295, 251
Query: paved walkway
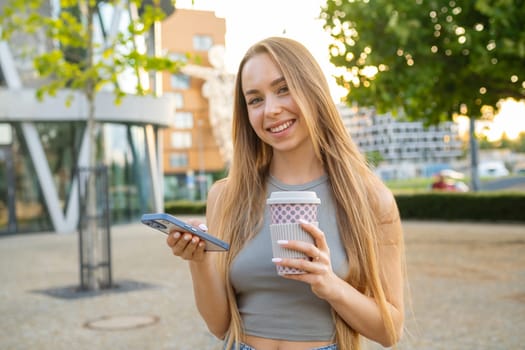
467, 284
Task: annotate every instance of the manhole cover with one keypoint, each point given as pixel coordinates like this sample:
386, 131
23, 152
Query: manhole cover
116, 323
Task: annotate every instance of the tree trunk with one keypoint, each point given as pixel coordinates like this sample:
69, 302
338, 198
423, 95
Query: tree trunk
92, 235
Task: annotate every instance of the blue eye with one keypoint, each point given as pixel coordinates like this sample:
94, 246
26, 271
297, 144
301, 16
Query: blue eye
254, 100
283, 89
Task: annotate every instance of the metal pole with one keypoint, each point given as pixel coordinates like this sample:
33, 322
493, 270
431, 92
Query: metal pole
474, 174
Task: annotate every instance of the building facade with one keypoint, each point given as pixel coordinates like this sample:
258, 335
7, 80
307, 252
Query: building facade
42, 143
406, 148
192, 153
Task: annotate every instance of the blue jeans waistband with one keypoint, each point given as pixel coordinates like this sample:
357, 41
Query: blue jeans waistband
243, 346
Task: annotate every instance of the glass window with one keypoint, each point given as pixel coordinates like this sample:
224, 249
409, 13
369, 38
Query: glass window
202, 42
178, 160
177, 56
129, 180
183, 120
179, 100
61, 142
180, 81
2, 79
6, 134
30, 211
181, 139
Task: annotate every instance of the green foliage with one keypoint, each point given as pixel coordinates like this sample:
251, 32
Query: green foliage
185, 207
374, 158
488, 207
77, 61
430, 58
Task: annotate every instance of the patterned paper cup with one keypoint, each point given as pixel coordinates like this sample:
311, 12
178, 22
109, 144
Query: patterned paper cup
287, 208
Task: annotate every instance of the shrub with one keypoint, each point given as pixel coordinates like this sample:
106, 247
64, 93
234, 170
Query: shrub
486, 206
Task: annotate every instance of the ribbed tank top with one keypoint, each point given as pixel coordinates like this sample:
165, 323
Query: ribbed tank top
272, 306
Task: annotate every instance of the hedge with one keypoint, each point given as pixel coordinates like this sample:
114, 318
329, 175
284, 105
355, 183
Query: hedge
185, 207
440, 206
482, 206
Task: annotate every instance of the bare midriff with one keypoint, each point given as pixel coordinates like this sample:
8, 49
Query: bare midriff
274, 344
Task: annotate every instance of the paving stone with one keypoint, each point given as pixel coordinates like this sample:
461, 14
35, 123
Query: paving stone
467, 287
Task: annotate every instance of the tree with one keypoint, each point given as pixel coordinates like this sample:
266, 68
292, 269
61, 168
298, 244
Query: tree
79, 62
431, 59
374, 158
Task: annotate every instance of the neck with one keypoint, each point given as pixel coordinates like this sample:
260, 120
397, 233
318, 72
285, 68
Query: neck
296, 170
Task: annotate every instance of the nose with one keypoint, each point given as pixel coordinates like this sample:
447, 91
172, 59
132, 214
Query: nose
273, 106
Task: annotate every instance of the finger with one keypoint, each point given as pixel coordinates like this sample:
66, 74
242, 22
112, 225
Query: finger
198, 255
172, 238
316, 233
195, 222
302, 264
191, 248
306, 248
181, 244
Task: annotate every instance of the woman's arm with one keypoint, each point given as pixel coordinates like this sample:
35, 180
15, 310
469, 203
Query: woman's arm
360, 311
209, 288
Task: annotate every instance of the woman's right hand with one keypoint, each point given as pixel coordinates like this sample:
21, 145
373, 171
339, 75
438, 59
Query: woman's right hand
186, 245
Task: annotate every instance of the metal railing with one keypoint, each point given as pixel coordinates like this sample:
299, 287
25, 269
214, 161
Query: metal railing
94, 229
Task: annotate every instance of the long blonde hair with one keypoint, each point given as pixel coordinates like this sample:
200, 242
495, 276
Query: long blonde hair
242, 199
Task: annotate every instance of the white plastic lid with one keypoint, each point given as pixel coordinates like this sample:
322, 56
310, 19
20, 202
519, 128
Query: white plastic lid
280, 197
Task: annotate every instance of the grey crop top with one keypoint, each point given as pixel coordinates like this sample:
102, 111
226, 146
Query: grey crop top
272, 306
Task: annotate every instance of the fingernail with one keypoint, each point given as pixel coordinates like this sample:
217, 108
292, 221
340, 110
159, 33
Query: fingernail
282, 241
187, 237
194, 240
203, 227
176, 235
275, 260
303, 221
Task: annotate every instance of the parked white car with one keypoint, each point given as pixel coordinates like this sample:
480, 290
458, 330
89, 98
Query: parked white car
492, 169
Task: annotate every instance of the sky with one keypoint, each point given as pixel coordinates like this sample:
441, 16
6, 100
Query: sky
248, 21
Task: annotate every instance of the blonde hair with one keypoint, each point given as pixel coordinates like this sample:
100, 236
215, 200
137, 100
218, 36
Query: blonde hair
354, 186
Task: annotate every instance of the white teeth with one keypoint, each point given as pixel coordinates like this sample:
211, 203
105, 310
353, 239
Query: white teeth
282, 127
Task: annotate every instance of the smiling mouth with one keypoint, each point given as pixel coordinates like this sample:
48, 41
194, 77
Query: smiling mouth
282, 127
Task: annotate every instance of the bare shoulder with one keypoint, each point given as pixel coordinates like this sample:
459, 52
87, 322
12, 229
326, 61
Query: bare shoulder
388, 215
216, 190
386, 202
215, 193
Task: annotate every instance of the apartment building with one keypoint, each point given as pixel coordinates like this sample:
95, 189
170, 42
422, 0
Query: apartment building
192, 158
407, 148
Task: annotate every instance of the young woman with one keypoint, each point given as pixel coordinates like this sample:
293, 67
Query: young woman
288, 135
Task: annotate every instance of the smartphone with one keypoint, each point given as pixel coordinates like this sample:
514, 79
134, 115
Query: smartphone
167, 223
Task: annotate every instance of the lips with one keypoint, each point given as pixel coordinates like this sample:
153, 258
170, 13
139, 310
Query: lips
281, 127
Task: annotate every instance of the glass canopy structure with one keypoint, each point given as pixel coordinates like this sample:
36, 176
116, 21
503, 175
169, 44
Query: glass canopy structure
42, 143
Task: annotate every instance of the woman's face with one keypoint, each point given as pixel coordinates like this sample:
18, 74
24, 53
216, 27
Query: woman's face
273, 113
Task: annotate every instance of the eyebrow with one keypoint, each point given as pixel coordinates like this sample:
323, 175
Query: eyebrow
273, 83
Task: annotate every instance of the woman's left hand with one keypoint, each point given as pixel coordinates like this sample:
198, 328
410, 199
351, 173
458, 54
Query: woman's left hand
319, 273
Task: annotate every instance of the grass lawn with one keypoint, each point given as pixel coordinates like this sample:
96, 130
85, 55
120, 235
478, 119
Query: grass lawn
410, 185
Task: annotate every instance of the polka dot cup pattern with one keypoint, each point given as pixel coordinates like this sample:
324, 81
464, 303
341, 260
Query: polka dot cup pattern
290, 206
292, 212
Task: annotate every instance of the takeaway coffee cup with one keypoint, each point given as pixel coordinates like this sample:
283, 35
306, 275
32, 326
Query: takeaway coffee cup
287, 208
